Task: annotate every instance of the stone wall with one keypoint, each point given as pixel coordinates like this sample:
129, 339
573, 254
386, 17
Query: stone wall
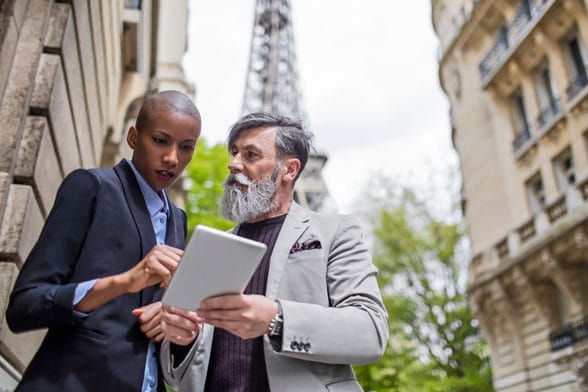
69, 71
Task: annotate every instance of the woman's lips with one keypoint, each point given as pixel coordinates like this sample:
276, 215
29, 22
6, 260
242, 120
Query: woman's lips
165, 174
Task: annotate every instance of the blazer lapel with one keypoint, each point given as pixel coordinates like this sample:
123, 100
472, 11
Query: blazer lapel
294, 226
140, 215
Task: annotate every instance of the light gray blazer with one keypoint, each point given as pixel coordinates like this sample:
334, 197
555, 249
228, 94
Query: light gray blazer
332, 307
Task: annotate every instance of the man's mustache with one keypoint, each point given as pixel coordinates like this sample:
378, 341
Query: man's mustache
239, 178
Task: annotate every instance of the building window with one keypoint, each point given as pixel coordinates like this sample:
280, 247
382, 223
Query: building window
133, 4
565, 172
535, 193
520, 120
576, 59
548, 101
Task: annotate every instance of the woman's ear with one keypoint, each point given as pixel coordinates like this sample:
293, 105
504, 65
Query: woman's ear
132, 136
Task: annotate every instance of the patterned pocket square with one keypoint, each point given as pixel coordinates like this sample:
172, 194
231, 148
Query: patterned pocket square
310, 243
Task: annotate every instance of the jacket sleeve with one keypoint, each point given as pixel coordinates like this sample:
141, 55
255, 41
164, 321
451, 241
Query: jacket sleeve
354, 328
188, 371
43, 294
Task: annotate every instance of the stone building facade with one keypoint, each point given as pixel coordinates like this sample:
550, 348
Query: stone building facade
516, 74
72, 76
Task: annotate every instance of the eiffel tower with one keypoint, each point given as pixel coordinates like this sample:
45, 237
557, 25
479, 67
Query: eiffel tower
272, 86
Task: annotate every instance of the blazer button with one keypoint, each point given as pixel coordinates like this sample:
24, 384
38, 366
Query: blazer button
307, 347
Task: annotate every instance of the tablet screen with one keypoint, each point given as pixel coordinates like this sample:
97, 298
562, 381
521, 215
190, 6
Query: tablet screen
214, 263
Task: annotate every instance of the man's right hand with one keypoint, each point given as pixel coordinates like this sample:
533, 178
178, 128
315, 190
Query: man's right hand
180, 326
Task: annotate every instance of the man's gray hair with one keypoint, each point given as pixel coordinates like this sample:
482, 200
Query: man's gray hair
292, 140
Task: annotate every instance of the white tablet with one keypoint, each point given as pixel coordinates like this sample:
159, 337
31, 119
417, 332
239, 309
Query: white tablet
214, 263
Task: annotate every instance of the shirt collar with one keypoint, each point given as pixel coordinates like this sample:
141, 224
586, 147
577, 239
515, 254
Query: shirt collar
154, 202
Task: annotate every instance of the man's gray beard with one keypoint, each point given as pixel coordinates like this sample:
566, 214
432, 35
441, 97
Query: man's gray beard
243, 206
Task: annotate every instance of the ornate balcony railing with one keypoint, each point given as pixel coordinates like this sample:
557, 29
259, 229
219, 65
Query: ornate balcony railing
568, 335
458, 20
561, 338
523, 136
527, 230
502, 248
511, 35
578, 83
524, 15
549, 112
494, 55
557, 209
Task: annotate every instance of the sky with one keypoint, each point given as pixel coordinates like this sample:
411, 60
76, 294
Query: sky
369, 81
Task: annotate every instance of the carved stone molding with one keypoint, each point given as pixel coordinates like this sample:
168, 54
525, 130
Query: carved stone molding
577, 362
528, 290
580, 370
549, 262
580, 238
568, 280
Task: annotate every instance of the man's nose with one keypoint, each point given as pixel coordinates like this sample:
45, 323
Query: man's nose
235, 164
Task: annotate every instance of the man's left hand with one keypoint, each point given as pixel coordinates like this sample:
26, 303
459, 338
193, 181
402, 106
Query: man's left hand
244, 315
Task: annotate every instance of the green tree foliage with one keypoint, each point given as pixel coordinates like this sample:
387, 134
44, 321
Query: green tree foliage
435, 342
206, 172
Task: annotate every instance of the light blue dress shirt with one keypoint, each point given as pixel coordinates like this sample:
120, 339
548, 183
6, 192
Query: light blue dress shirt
158, 209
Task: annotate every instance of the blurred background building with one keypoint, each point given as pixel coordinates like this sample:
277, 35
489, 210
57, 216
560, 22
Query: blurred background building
72, 77
515, 72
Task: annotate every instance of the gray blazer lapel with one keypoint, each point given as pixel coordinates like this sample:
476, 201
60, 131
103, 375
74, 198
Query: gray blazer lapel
294, 226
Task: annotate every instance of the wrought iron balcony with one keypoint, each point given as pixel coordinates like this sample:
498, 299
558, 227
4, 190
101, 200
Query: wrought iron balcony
524, 15
568, 335
458, 20
523, 136
561, 338
557, 209
511, 35
578, 83
549, 112
527, 230
502, 248
494, 55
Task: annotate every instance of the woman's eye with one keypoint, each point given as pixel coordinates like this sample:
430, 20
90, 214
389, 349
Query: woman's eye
187, 147
160, 140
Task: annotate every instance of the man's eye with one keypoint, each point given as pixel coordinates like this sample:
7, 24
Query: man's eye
251, 154
159, 140
187, 147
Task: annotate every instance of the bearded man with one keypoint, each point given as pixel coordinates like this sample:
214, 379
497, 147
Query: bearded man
312, 308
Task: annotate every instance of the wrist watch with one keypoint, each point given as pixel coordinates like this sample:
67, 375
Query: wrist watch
275, 326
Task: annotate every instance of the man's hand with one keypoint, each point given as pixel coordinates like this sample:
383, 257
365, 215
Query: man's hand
150, 320
246, 316
157, 266
180, 326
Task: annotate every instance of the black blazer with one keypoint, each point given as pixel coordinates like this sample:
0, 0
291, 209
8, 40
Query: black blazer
99, 226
